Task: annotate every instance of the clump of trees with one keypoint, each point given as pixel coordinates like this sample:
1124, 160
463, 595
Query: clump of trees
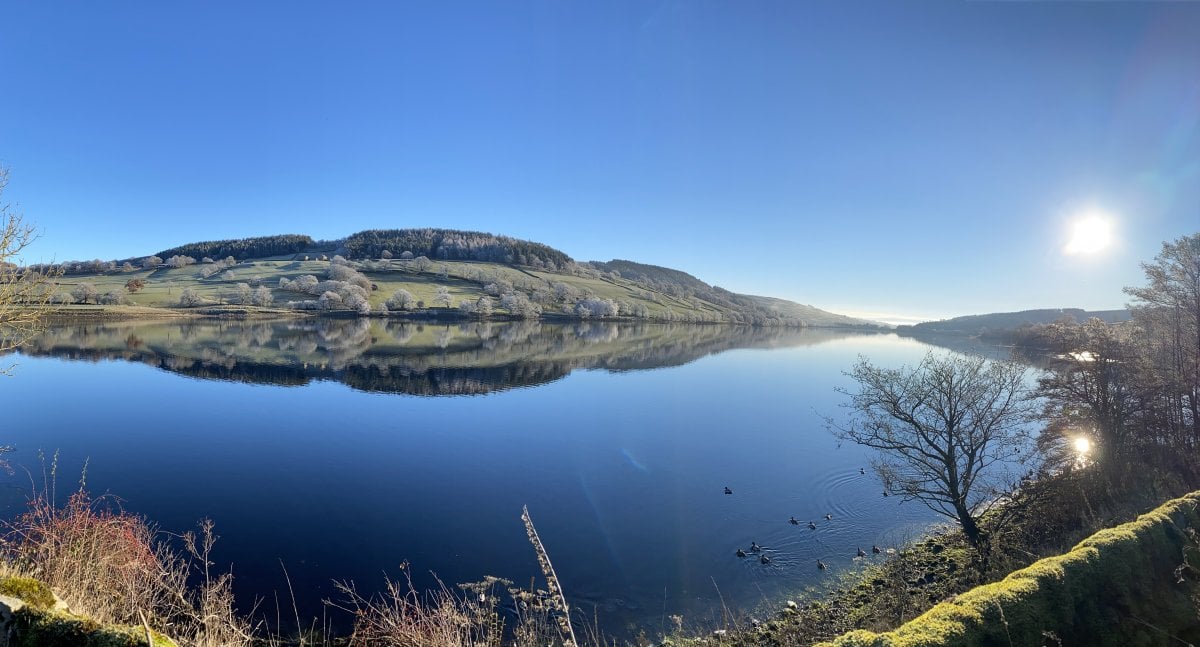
1132, 390
244, 247
332, 294
178, 261
451, 244
244, 294
212, 268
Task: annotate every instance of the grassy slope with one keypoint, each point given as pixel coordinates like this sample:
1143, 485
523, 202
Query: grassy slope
164, 286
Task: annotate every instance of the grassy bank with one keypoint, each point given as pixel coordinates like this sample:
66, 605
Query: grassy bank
1047, 520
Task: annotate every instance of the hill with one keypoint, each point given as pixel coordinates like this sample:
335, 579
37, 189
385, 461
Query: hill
413, 272
1003, 324
676, 282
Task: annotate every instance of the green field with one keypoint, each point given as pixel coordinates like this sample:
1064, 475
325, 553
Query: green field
164, 286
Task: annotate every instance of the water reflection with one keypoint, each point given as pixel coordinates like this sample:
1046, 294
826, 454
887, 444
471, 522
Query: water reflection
404, 357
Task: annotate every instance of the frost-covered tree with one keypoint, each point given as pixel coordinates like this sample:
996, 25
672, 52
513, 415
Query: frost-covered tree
483, 307
84, 292
329, 301
262, 296
190, 298
442, 297
243, 294
179, 261
401, 300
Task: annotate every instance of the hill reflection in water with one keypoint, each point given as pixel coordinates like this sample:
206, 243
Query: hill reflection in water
404, 357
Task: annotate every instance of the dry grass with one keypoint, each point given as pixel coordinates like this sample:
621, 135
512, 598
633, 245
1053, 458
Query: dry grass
401, 615
116, 567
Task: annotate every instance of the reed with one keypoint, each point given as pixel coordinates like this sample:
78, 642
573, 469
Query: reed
558, 601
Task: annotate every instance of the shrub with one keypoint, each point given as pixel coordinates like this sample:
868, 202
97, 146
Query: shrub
110, 566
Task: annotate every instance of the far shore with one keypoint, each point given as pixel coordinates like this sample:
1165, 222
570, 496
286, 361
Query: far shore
76, 313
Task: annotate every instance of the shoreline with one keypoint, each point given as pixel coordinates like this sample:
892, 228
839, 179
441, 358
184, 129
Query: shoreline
74, 313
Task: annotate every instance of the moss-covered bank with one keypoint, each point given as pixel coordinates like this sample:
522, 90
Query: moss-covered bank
1135, 584
30, 616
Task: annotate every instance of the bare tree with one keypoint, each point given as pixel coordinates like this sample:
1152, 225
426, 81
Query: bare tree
25, 294
1167, 312
944, 431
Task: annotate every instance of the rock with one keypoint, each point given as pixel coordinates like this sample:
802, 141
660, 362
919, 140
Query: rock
8, 607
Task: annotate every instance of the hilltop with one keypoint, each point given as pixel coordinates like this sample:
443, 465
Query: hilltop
409, 272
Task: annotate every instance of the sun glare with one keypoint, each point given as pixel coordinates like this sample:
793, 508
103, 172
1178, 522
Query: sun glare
1090, 234
1082, 445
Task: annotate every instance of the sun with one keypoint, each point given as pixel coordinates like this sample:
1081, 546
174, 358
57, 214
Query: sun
1091, 234
1082, 445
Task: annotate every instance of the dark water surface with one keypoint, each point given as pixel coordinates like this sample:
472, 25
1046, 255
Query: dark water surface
344, 448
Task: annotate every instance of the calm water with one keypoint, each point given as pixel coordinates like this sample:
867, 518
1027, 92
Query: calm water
344, 448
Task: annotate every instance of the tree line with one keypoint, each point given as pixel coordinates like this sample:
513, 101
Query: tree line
451, 244
256, 247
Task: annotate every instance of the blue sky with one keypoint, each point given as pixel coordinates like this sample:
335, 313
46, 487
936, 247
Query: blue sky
895, 159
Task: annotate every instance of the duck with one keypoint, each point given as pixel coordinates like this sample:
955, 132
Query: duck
764, 559
812, 526
755, 547
862, 553
829, 517
740, 553
821, 565
875, 549
862, 471
793, 521
728, 491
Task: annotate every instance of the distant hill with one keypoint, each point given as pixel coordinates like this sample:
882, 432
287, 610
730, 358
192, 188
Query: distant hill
680, 283
999, 324
815, 316
420, 272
